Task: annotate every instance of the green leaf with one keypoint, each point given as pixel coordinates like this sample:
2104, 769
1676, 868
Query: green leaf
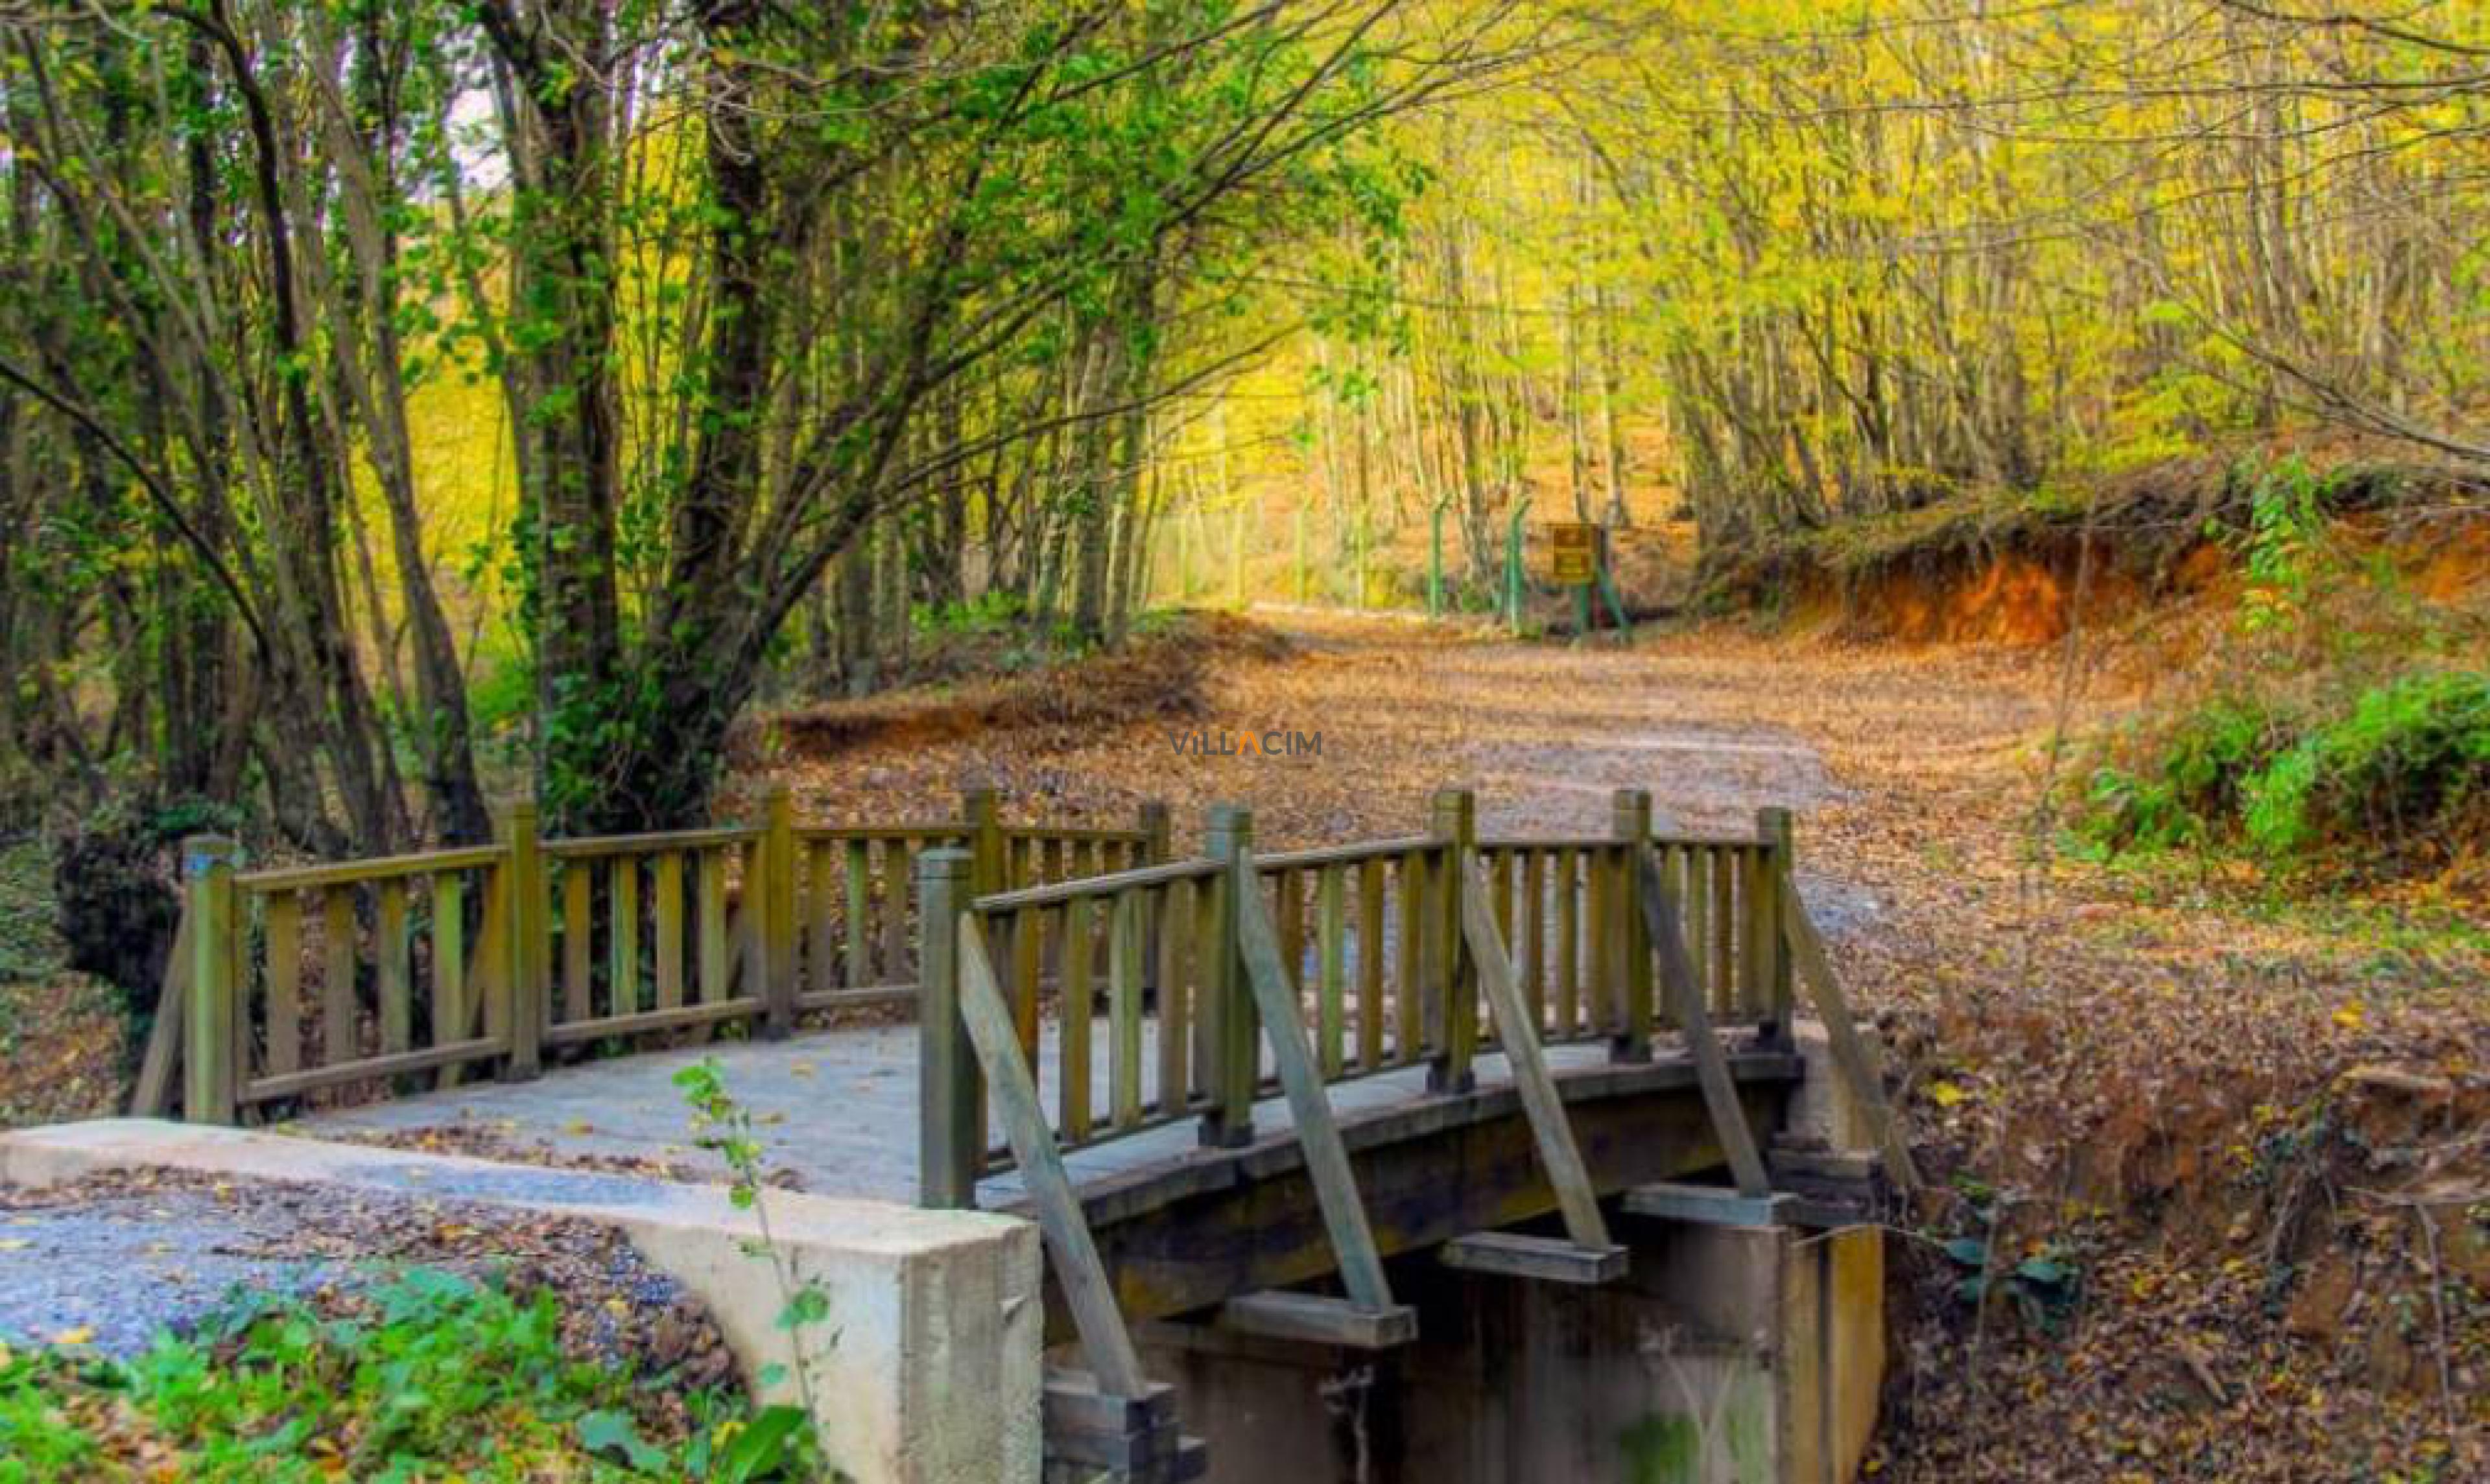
1969, 1252
2044, 1272
614, 1432
763, 1447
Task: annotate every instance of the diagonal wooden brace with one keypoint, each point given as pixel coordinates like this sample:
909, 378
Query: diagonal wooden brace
1544, 1106
1065, 1226
1275, 999
1686, 1002
1852, 1056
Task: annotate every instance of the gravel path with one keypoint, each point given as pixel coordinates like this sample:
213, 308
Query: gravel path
108, 1264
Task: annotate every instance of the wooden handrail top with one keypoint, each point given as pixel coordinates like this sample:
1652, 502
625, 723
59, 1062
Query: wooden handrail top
591, 847
292, 879
1347, 855
1108, 885
1610, 842
947, 830
1082, 834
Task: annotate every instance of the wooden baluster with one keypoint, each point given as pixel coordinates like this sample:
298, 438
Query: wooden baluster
338, 963
1725, 930
1534, 936
1289, 886
449, 1010
1598, 876
1028, 954
1569, 942
1695, 872
1408, 1035
1370, 964
670, 930
1124, 945
623, 935
578, 900
391, 974
1771, 879
860, 906
748, 953
1332, 938
284, 926
1629, 1033
894, 907
710, 926
1202, 962
821, 902
1076, 1032
1500, 876
1174, 918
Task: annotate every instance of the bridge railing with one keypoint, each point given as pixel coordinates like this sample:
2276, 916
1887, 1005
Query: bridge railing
1131, 1010
422, 969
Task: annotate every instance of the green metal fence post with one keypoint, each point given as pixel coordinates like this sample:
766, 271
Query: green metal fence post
1299, 532
1436, 559
1363, 539
1236, 556
1513, 566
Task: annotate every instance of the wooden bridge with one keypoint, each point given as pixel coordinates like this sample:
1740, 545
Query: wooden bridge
1212, 1079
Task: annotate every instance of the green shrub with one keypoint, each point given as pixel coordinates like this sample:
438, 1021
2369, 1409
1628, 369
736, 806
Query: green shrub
2187, 785
2394, 774
2405, 766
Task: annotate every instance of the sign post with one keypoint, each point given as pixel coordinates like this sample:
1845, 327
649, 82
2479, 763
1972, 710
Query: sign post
1574, 546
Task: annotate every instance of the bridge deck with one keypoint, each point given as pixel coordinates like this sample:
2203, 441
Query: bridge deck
837, 1109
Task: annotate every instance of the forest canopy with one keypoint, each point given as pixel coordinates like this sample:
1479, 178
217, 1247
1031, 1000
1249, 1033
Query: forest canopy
401, 402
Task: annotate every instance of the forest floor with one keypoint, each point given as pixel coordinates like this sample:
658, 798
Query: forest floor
2222, 1152
2211, 1157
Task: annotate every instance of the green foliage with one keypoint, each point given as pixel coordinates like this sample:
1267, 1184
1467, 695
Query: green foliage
2043, 1287
2409, 759
2346, 721
726, 1128
2396, 772
2189, 789
435, 1377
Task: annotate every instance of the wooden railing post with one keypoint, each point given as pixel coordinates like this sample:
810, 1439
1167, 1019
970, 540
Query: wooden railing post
210, 1070
1452, 1009
526, 916
1158, 832
981, 821
779, 966
1772, 960
1227, 997
1158, 846
1630, 821
951, 1131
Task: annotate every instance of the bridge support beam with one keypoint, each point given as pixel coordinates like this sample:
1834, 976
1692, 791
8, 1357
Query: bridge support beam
1745, 1353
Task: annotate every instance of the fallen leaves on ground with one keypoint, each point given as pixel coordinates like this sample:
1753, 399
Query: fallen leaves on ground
2084, 1054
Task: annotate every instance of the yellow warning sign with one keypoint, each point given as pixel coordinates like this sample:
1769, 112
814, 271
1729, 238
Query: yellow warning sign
1574, 548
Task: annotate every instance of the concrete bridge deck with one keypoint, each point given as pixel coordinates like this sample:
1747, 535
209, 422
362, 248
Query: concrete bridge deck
836, 1110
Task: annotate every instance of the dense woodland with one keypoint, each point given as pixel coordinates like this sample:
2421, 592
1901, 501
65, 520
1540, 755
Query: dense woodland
401, 403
